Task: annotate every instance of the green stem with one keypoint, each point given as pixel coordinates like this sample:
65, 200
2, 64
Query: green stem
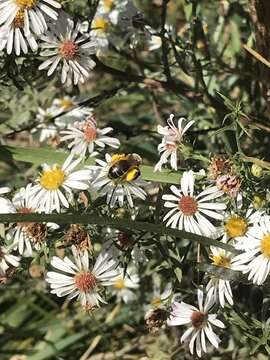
116, 223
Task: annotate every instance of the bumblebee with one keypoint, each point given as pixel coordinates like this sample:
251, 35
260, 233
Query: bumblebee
125, 167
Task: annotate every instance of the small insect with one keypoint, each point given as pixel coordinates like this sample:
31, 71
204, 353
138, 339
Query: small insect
126, 167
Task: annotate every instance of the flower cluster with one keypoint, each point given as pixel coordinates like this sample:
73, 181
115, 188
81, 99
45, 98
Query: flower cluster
95, 174
198, 207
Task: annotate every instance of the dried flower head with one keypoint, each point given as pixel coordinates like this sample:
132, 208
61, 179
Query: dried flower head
229, 184
78, 235
219, 166
36, 232
155, 319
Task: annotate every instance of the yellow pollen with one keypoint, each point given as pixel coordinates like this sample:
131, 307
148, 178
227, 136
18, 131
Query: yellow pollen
156, 302
66, 103
18, 21
221, 261
236, 226
52, 179
265, 246
117, 157
100, 24
119, 284
26, 4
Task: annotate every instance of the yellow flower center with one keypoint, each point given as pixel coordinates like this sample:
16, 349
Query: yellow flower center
66, 103
52, 179
265, 246
100, 24
107, 4
26, 4
156, 302
222, 261
119, 284
18, 21
236, 226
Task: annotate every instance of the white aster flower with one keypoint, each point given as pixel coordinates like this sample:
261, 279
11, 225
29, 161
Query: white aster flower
6, 206
64, 44
54, 181
110, 8
27, 236
7, 261
154, 43
200, 323
255, 259
160, 298
124, 286
237, 226
69, 111
46, 126
188, 211
127, 185
4, 190
84, 135
99, 29
34, 13
172, 139
77, 279
12, 37
217, 287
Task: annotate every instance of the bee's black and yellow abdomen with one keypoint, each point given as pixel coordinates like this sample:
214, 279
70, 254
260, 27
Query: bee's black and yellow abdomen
125, 168
119, 169
133, 174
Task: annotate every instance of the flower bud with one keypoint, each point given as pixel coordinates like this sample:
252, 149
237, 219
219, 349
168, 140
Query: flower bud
258, 202
257, 171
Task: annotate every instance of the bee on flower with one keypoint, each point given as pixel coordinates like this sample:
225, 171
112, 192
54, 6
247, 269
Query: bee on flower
190, 212
78, 279
84, 136
199, 321
66, 46
57, 182
171, 141
119, 177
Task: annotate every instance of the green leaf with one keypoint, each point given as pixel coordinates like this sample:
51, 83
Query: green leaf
39, 156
